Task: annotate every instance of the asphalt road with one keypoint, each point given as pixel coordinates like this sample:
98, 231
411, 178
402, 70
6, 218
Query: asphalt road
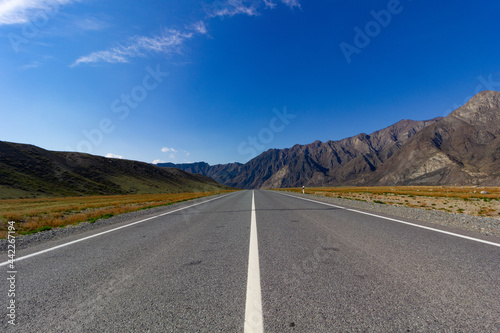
322, 269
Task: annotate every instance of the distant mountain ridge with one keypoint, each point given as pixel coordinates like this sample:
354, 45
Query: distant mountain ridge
222, 173
460, 149
30, 171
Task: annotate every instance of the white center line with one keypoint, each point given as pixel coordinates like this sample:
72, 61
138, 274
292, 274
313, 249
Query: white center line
254, 321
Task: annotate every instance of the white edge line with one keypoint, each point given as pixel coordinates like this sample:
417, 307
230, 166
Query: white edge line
107, 231
399, 221
254, 322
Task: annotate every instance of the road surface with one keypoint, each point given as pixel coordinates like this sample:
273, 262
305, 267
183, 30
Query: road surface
258, 261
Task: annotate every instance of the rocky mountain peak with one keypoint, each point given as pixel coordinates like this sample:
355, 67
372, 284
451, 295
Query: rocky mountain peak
483, 108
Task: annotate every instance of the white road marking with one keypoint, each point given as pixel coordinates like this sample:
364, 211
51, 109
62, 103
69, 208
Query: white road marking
399, 221
105, 232
254, 322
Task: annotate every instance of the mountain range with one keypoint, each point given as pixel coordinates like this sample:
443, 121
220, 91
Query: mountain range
462, 148
27, 171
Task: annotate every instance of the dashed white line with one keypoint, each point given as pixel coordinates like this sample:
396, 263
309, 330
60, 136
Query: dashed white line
399, 221
254, 322
108, 231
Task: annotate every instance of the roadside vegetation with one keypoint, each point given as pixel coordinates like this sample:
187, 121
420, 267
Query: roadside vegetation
35, 215
476, 201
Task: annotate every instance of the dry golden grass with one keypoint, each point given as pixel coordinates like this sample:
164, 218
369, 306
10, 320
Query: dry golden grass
432, 191
34, 215
466, 200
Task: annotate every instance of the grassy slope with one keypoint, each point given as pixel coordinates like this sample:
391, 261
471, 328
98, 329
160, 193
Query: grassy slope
28, 171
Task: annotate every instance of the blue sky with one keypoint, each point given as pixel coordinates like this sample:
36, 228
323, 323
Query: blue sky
221, 81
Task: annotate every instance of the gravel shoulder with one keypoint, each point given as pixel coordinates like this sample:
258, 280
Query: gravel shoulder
487, 226
25, 241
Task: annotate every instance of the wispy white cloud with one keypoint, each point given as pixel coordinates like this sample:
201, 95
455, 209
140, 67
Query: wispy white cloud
200, 27
233, 7
111, 56
169, 41
270, 3
166, 150
24, 11
110, 155
247, 7
291, 3
174, 155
